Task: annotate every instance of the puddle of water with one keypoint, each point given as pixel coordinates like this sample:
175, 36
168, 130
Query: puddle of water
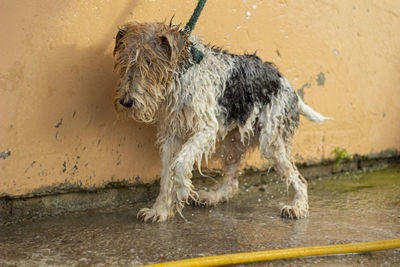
343, 209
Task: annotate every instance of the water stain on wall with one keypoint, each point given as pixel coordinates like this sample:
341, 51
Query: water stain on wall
321, 79
300, 92
5, 155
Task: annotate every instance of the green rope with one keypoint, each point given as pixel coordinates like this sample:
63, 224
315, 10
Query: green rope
195, 16
196, 54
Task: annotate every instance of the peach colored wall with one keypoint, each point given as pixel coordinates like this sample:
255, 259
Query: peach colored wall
57, 124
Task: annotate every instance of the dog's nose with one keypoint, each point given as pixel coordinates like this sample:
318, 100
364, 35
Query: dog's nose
126, 102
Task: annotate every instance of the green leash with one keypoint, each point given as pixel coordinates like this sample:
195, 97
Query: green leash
195, 16
196, 54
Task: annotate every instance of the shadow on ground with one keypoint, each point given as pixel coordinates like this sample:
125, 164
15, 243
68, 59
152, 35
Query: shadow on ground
344, 209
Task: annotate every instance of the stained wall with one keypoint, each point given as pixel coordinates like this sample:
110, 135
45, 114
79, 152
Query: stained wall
58, 128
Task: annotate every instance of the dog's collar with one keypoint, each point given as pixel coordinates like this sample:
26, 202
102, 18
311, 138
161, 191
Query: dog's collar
197, 55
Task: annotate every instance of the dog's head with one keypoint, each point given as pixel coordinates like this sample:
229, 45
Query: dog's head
146, 58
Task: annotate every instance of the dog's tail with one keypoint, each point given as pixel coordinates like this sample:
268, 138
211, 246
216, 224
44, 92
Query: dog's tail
311, 114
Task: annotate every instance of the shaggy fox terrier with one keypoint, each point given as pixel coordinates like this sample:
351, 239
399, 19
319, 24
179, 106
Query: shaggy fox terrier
223, 103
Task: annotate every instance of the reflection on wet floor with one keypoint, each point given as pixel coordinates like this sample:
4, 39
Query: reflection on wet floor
343, 209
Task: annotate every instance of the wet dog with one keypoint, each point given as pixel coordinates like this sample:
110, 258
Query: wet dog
205, 101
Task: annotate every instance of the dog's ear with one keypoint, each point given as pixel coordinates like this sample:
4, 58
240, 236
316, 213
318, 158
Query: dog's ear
118, 38
172, 43
166, 46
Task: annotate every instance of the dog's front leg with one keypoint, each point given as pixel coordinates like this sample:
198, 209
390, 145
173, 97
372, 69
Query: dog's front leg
175, 186
201, 143
163, 207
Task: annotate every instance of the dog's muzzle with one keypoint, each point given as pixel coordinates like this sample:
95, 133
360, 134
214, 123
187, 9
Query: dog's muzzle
127, 102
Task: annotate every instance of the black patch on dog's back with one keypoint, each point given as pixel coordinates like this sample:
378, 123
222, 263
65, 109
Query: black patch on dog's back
251, 82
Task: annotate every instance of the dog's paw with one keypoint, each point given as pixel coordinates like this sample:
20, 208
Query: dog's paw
205, 199
290, 212
199, 203
152, 215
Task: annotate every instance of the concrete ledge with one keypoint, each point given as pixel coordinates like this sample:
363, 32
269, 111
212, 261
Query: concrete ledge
120, 194
19, 209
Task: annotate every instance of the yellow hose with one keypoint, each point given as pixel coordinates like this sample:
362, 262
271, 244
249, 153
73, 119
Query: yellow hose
268, 255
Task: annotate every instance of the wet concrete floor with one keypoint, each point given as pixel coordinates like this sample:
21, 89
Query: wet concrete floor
343, 209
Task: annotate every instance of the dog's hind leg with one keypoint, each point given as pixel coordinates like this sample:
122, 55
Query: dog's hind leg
163, 207
231, 151
224, 191
278, 155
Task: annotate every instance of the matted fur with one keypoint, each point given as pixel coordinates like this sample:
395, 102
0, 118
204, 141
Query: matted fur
145, 57
235, 101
